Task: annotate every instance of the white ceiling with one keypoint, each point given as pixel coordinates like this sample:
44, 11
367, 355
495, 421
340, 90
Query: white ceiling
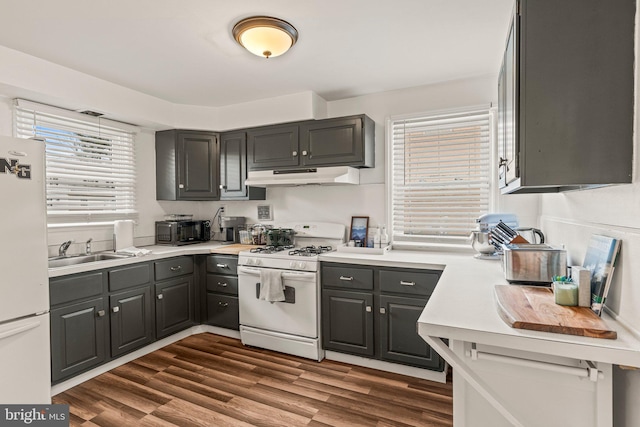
182, 51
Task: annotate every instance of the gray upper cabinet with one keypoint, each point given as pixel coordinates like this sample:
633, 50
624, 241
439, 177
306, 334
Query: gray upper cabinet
345, 141
233, 169
187, 165
565, 96
273, 147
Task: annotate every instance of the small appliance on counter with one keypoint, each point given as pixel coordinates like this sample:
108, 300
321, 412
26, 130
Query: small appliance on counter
182, 232
533, 263
230, 228
481, 240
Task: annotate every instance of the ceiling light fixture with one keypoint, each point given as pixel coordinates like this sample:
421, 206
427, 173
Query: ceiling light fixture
265, 36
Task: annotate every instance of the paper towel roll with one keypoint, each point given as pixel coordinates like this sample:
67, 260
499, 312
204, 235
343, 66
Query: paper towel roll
122, 234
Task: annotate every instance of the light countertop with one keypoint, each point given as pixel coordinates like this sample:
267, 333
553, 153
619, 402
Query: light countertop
463, 307
157, 252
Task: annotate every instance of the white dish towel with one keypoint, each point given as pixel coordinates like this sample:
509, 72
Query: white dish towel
271, 286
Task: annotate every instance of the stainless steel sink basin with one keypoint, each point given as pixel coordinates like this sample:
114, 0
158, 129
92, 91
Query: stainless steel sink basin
82, 259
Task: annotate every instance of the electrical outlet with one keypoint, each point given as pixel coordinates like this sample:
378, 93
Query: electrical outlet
222, 210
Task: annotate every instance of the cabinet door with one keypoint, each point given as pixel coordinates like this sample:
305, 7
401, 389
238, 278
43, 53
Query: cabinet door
233, 165
131, 320
509, 163
273, 147
77, 338
347, 322
399, 339
198, 166
174, 306
333, 142
223, 311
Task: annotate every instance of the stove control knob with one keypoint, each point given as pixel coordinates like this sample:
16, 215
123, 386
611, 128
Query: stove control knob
258, 262
249, 261
302, 265
292, 264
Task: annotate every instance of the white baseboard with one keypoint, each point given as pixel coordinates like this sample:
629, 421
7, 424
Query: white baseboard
411, 371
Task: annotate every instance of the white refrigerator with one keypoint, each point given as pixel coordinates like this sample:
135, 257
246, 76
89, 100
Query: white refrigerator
25, 372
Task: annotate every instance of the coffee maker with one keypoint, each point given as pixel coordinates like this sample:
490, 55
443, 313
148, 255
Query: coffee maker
230, 228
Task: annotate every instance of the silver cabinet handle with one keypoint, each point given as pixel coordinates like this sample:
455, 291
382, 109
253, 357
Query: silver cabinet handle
304, 153
100, 313
222, 265
368, 309
160, 296
383, 310
178, 268
180, 185
223, 304
224, 285
294, 154
348, 279
115, 309
403, 283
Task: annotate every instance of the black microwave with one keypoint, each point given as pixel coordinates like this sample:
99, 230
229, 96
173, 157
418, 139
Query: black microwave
179, 233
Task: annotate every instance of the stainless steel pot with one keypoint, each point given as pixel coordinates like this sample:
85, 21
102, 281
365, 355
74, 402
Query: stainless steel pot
480, 242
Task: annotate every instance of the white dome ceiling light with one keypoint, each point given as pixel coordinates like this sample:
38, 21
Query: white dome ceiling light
265, 36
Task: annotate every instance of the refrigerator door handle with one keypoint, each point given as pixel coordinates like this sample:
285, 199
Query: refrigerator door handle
19, 329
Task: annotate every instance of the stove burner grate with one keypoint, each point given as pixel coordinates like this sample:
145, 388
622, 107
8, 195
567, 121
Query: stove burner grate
311, 250
271, 249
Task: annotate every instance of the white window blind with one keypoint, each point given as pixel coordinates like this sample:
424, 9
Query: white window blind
90, 162
440, 175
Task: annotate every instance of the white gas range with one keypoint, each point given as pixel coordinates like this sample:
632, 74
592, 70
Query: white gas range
291, 326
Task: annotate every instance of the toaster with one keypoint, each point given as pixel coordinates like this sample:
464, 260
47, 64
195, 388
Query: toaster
533, 263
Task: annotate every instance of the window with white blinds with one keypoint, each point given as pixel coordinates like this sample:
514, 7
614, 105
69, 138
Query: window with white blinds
440, 175
90, 163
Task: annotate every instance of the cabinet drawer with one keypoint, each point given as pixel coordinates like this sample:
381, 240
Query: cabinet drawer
128, 277
222, 311
347, 277
413, 282
222, 264
222, 284
75, 287
173, 267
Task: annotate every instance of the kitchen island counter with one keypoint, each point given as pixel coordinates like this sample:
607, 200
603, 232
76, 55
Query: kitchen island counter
504, 376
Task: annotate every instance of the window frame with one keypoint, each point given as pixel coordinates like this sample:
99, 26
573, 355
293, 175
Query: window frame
440, 242
76, 121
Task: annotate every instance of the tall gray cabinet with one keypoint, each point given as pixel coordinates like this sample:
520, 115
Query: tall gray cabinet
565, 101
187, 165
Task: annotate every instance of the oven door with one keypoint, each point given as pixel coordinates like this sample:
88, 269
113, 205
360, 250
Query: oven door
297, 315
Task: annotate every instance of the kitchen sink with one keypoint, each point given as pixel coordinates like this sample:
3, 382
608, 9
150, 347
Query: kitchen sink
83, 259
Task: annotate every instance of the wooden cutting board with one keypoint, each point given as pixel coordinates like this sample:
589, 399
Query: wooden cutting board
233, 249
534, 308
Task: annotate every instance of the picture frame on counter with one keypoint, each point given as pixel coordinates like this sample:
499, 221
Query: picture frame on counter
359, 230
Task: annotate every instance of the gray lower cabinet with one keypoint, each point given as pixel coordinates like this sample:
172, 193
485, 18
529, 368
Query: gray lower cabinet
222, 291
174, 295
131, 319
78, 333
373, 311
347, 321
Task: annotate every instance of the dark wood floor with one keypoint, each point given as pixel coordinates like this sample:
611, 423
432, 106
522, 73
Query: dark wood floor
209, 380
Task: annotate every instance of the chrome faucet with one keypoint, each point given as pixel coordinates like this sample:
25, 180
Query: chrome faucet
62, 250
87, 248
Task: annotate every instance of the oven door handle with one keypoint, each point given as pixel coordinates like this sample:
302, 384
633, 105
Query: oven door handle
251, 271
298, 275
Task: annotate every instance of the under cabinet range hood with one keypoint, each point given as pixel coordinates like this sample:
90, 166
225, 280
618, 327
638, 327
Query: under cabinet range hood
305, 176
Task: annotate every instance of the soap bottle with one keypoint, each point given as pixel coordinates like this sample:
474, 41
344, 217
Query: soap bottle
376, 238
384, 238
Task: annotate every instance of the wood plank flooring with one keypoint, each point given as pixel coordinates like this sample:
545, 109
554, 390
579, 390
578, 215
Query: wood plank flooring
210, 380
